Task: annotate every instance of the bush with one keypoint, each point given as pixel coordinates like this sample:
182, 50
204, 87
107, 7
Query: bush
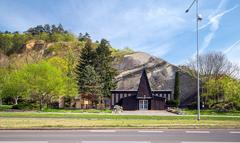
24, 106
5, 107
54, 105
224, 107
172, 103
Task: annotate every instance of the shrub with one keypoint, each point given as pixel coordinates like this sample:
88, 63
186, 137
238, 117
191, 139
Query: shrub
24, 106
5, 107
172, 103
54, 105
224, 107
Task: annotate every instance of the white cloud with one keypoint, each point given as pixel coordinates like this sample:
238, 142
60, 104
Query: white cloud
214, 21
232, 47
232, 52
139, 26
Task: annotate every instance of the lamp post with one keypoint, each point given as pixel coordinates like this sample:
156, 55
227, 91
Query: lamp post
198, 18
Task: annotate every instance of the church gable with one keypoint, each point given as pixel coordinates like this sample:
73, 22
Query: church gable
144, 89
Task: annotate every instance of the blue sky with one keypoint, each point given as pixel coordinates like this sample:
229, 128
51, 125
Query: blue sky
159, 27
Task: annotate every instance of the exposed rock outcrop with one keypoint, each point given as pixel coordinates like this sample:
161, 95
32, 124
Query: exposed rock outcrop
161, 75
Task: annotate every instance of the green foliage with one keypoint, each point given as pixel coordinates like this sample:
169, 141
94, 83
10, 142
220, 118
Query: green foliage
87, 58
14, 85
84, 37
90, 87
172, 103
5, 107
13, 42
5, 43
44, 82
224, 90
24, 106
3, 75
104, 68
176, 89
95, 65
57, 37
120, 53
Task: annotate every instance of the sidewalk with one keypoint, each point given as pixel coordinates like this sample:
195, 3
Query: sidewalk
149, 113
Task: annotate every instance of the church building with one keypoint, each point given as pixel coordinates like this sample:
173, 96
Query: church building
143, 98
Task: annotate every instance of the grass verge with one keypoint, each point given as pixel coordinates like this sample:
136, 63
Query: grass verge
211, 112
73, 123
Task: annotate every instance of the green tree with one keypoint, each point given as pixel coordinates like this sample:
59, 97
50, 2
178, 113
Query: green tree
231, 90
85, 71
66, 66
87, 57
45, 82
5, 43
104, 68
3, 76
18, 41
91, 87
223, 90
14, 85
176, 89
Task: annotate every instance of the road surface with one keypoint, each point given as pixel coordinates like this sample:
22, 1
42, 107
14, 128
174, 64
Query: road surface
121, 136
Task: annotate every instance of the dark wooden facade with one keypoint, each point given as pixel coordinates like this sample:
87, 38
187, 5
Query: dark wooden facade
143, 98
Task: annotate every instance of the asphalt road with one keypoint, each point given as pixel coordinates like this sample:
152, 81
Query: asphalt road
121, 136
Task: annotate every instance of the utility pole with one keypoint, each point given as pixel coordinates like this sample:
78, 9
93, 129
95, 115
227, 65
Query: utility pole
198, 18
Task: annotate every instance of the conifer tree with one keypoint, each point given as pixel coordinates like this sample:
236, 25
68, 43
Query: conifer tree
176, 89
91, 87
104, 68
86, 59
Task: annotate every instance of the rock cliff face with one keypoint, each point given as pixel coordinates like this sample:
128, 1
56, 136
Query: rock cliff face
161, 75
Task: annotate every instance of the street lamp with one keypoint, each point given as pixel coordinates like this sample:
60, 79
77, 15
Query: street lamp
198, 18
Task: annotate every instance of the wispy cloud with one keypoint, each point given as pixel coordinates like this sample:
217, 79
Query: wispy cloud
233, 51
213, 22
232, 47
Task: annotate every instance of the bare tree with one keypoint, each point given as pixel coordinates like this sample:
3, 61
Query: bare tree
212, 68
212, 65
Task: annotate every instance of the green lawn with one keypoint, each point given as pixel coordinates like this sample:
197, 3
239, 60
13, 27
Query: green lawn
108, 116
211, 112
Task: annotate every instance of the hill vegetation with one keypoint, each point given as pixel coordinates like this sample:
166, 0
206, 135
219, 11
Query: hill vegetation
39, 65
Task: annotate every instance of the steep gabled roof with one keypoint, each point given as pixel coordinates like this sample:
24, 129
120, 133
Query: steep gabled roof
144, 89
